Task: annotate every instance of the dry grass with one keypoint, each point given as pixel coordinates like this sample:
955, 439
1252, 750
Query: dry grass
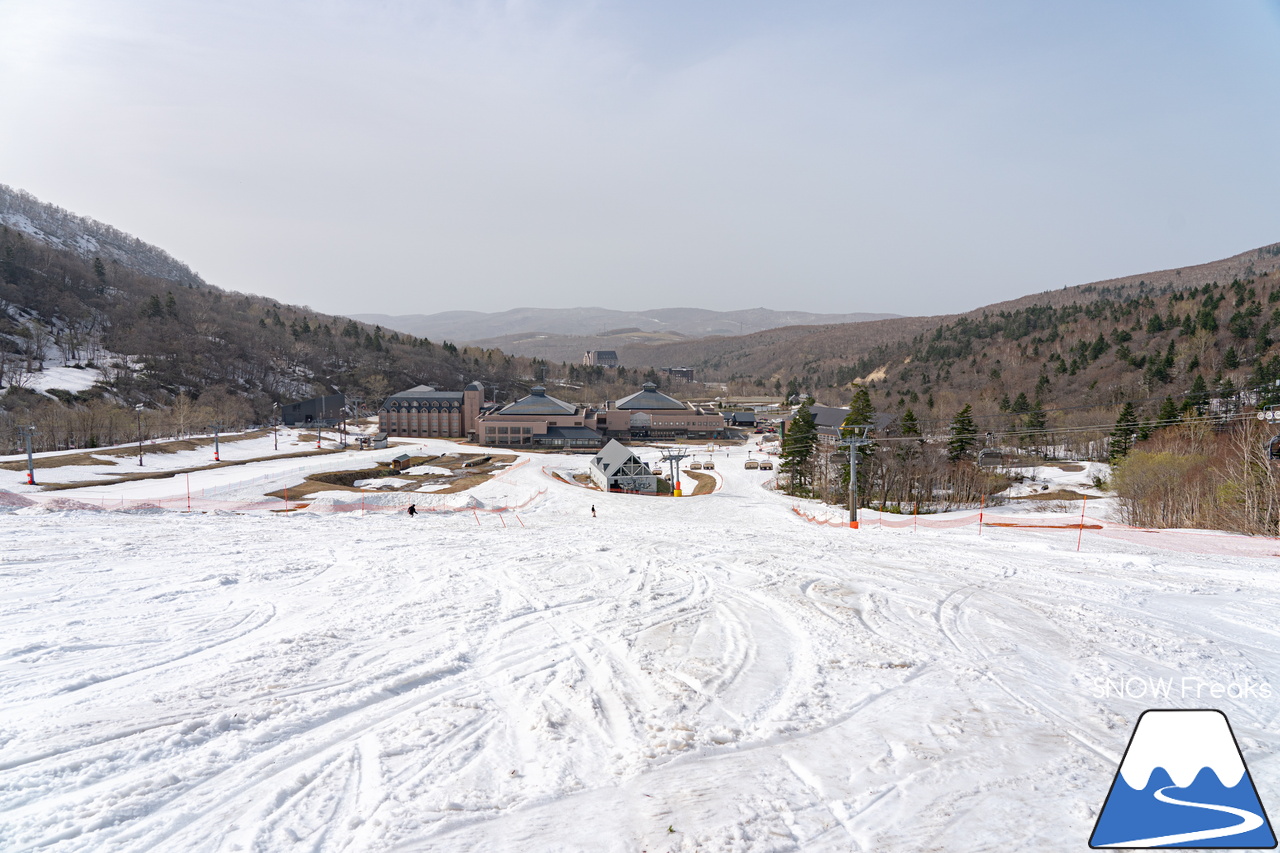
173, 472
333, 481
706, 483
583, 480
1055, 495
93, 456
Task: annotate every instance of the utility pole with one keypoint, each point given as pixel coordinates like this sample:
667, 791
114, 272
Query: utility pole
275, 424
216, 446
853, 442
27, 432
138, 409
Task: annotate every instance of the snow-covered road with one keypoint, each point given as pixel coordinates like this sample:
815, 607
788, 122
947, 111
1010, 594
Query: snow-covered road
709, 673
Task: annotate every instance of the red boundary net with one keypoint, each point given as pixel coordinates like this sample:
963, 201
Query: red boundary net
1188, 541
182, 503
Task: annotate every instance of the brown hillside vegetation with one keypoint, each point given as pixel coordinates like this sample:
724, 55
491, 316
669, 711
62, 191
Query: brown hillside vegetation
1077, 353
810, 350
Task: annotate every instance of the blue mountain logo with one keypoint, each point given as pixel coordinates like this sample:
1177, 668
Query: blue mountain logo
1183, 783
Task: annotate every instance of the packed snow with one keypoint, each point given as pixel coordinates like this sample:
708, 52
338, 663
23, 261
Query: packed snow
66, 378
505, 672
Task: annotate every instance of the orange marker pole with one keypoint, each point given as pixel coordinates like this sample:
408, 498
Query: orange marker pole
1080, 536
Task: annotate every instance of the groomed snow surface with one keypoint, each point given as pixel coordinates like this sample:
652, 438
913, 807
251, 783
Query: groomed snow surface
712, 673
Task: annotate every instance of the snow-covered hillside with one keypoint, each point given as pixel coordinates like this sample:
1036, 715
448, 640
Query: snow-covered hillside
87, 237
711, 673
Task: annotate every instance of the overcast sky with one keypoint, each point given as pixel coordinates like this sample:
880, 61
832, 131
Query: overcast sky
412, 157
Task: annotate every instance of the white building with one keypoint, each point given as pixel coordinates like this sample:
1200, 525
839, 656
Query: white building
615, 468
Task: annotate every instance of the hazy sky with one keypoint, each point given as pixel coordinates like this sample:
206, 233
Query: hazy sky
412, 157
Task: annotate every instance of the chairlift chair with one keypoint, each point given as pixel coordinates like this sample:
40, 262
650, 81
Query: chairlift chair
1271, 414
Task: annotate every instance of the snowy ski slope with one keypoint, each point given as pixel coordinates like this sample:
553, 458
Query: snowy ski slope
710, 673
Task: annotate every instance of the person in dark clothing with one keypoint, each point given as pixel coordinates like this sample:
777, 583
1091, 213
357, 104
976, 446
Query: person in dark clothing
413, 510
593, 510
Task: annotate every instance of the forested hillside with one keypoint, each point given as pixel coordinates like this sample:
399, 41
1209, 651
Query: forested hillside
163, 343
1209, 327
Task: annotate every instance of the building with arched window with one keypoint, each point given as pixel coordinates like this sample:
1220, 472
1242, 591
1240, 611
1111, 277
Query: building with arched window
424, 412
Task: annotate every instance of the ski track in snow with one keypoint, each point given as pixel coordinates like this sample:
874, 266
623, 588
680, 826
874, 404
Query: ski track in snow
714, 665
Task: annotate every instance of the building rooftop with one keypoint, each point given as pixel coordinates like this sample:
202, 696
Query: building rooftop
421, 394
613, 456
648, 398
538, 403
573, 433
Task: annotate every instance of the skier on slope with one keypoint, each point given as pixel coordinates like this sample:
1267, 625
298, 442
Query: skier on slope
413, 510
593, 510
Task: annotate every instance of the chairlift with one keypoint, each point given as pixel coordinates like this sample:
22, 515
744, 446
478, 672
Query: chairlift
990, 457
1273, 448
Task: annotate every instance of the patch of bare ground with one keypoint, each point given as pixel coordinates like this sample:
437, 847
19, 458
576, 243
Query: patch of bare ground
1068, 467
706, 483
478, 468
582, 480
173, 472
1056, 495
92, 456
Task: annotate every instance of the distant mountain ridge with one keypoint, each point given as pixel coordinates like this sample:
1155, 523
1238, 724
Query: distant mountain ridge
88, 238
475, 326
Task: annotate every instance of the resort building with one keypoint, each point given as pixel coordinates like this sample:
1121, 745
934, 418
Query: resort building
326, 411
649, 413
424, 412
601, 358
539, 420
616, 469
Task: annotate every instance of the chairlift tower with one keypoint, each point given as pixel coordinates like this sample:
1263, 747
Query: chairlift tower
1271, 415
217, 446
673, 458
853, 442
26, 432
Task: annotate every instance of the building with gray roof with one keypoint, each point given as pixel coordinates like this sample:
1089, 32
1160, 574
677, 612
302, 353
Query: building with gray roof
616, 469
326, 411
649, 413
600, 358
648, 399
424, 412
539, 420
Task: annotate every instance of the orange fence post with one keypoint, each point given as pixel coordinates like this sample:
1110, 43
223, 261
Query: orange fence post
1080, 537
915, 516
518, 518
503, 520
477, 515
188, 493
981, 509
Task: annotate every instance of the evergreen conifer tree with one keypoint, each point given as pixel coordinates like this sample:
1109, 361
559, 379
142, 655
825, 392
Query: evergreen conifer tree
1122, 435
1168, 414
798, 450
909, 424
861, 409
964, 434
1035, 422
